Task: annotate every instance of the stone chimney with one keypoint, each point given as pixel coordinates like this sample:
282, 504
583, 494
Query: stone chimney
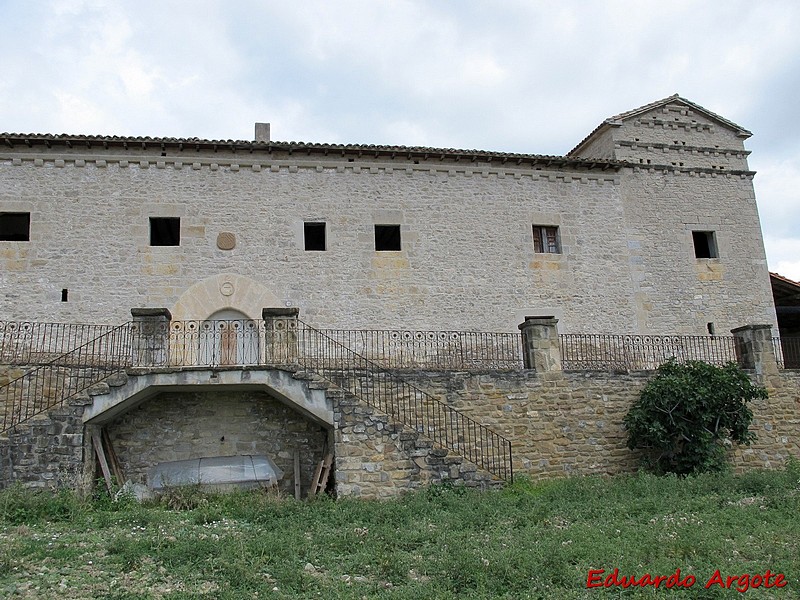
262, 133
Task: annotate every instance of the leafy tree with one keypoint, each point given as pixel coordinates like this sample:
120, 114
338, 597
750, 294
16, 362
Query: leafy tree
688, 414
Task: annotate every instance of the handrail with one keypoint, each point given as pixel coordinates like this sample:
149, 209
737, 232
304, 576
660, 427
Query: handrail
787, 352
52, 383
379, 388
30, 342
641, 352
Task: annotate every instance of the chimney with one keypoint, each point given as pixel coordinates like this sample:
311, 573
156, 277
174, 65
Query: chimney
262, 133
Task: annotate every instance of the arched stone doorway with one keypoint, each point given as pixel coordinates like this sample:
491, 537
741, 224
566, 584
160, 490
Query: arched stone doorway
228, 337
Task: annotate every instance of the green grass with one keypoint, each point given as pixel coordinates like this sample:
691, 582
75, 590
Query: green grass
527, 541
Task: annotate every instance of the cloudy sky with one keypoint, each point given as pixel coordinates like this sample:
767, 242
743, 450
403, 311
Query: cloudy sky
506, 75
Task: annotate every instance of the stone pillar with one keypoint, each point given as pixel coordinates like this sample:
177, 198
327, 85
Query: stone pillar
280, 337
150, 343
754, 349
540, 348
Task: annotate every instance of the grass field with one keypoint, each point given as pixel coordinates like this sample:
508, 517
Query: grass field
531, 540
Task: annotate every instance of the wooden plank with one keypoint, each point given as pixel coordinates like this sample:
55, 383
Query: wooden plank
315, 479
101, 456
326, 471
297, 474
116, 467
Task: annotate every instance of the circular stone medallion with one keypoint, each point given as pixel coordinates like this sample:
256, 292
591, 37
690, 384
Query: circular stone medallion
226, 241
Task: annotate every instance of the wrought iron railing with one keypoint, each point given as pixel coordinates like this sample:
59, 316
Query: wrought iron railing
595, 352
405, 403
241, 342
28, 343
433, 350
208, 343
250, 342
51, 384
787, 352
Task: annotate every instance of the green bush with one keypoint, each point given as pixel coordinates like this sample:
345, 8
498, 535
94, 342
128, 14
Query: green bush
688, 415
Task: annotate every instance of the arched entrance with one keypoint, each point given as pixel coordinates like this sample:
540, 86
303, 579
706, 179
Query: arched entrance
228, 338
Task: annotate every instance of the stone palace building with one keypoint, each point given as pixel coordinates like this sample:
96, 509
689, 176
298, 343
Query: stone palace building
368, 319
648, 226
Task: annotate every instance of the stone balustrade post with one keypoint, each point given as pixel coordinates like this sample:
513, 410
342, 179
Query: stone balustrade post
150, 343
280, 337
541, 350
754, 349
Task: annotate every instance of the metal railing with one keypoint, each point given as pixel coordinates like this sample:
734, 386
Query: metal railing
595, 352
206, 343
433, 350
51, 384
250, 342
787, 352
405, 403
241, 342
27, 342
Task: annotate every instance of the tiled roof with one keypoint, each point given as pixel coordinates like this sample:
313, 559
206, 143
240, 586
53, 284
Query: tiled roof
784, 279
19, 139
785, 291
617, 119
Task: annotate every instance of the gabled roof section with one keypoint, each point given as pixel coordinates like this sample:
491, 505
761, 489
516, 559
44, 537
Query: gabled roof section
617, 120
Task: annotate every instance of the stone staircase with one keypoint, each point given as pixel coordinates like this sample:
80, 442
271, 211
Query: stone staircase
47, 449
376, 457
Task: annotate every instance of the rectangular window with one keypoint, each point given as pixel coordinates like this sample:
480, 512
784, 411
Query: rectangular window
545, 239
705, 244
15, 227
165, 231
314, 236
387, 238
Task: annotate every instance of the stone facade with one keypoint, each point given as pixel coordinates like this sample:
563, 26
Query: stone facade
625, 204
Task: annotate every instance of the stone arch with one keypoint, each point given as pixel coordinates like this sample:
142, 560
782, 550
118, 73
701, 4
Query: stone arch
227, 291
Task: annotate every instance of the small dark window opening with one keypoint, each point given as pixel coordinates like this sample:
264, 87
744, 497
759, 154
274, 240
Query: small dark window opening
710, 327
64, 295
705, 244
545, 239
387, 238
15, 227
314, 235
165, 231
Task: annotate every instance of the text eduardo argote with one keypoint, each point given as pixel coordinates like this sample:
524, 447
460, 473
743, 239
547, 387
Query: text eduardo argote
598, 578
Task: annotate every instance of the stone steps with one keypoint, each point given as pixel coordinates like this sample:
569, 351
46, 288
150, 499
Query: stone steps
431, 463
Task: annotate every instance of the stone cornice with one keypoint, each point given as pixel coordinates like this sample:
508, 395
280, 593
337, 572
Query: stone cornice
90, 145
680, 148
234, 164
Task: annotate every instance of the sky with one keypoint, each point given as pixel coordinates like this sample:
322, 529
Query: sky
503, 75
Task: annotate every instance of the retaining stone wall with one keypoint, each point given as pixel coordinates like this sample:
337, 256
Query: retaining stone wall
559, 424
571, 423
376, 458
48, 450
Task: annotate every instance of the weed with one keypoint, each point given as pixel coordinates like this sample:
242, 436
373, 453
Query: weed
531, 540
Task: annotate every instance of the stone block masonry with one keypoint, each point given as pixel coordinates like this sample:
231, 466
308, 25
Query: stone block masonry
571, 422
376, 458
560, 424
624, 204
183, 425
